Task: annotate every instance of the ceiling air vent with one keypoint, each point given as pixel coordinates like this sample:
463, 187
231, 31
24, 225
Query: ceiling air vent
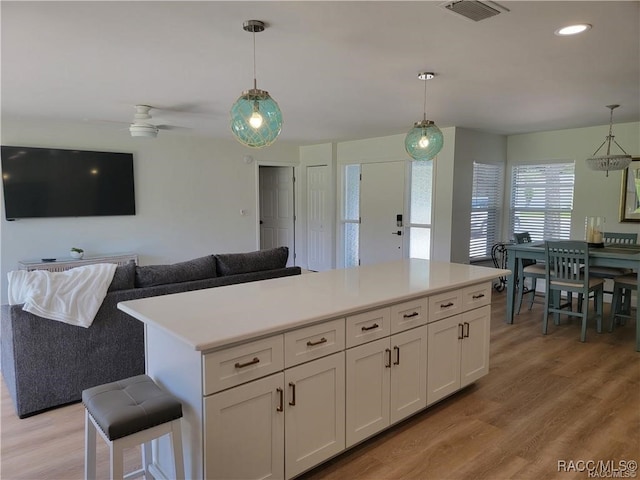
473, 10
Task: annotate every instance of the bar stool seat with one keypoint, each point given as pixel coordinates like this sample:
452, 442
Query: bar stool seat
128, 413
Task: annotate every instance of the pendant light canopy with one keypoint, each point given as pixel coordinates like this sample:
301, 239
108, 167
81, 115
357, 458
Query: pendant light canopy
424, 140
609, 162
256, 119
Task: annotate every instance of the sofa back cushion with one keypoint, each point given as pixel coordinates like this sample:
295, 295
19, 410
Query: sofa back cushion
124, 277
236, 263
196, 269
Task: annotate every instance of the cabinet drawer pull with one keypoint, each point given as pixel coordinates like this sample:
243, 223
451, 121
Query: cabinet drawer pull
460, 331
280, 407
446, 305
411, 315
375, 325
247, 364
397, 349
293, 394
388, 352
319, 342
465, 330
480, 295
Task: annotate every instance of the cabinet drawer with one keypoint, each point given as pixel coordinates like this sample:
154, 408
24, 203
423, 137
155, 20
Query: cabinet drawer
230, 367
476, 296
444, 305
409, 314
368, 326
313, 342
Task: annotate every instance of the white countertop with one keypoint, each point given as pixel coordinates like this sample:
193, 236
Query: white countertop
220, 316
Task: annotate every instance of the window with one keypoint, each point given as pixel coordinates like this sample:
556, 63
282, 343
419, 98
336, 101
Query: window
351, 217
542, 200
420, 209
486, 211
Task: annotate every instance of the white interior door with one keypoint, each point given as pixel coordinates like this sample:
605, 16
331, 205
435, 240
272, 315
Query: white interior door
318, 218
381, 201
277, 209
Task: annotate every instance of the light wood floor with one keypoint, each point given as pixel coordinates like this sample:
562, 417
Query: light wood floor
546, 399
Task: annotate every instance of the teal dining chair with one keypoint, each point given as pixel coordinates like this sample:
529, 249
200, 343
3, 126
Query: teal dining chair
611, 273
530, 269
567, 270
621, 303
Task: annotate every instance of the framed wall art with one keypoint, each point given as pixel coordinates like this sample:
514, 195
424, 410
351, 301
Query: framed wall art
630, 193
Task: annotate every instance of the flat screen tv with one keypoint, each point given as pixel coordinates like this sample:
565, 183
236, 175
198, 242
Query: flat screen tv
51, 182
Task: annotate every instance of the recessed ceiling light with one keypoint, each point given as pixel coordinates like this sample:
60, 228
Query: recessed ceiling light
573, 29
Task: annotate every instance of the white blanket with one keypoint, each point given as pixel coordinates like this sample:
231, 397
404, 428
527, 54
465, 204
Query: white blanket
73, 296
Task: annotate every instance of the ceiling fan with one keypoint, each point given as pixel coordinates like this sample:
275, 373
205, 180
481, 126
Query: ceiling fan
140, 126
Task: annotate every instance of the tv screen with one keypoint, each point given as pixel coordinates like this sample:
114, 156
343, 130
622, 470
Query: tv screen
48, 182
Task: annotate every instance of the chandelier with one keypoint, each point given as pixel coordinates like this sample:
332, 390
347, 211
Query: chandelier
609, 161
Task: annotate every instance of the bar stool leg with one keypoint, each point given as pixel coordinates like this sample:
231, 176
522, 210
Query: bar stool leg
176, 440
116, 453
147, 458
89, 448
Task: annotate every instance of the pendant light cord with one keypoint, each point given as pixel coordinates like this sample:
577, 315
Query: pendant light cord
424, 110
255, 83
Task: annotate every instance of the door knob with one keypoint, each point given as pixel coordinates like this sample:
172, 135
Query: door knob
399, 233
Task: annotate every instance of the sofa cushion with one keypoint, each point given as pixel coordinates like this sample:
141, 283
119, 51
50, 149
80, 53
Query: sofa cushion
196, 269
236, 263
124, 277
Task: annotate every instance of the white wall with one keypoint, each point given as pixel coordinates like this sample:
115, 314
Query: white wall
594, 193
189, 193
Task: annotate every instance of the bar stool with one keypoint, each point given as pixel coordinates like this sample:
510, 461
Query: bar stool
128, 413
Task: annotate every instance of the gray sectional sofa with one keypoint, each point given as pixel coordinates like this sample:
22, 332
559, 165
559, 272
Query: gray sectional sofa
46, 363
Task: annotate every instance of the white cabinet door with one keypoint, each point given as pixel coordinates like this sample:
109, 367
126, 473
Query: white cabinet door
244, 431
408, 373
368, 382
444, 343
315, 413
475, 345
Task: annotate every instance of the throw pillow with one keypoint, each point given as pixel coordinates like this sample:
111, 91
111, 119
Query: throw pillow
236, 263
124, 277
196, 269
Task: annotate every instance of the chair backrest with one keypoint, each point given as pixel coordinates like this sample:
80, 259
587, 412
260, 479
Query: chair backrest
617, 237
567, 264
524, 237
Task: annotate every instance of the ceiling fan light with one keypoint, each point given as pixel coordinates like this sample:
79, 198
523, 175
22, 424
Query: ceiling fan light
424, 141
143, 130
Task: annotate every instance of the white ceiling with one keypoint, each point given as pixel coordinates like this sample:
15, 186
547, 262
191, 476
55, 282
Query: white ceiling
339, 70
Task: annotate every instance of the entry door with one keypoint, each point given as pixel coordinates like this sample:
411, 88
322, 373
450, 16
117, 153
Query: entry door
277, 209
318, 218
381, 201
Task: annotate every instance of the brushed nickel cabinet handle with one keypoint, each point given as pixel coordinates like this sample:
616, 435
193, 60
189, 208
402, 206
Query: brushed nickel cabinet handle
250, 362
319, 342
293, 394
388, 352
280, 407
375, 325
465, 330
460, 331
475, 297
411, 315
446, 305
397, 349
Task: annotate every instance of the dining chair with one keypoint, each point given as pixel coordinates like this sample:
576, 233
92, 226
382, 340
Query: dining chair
567, 270
610, 273
528, 268
621, 303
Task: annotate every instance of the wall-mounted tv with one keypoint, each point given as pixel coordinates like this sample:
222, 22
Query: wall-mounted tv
51, 182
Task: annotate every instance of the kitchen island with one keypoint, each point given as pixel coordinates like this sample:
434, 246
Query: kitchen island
279, 375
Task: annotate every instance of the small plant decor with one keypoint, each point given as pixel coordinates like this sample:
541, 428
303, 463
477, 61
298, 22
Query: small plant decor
76, 252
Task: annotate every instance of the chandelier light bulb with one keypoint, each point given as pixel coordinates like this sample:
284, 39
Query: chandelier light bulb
256, 120
424, 141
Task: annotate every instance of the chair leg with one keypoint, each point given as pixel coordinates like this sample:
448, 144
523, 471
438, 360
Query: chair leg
89, 448
545, 314
615, 300
520, 293
117, 467
598, 299
584, 309
178, 459
534, 282
557, 300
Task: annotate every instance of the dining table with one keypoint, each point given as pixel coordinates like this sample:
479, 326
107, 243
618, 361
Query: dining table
607, 255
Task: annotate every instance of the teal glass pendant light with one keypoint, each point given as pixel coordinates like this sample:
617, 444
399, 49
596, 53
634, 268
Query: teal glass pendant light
256, 119
424, 140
